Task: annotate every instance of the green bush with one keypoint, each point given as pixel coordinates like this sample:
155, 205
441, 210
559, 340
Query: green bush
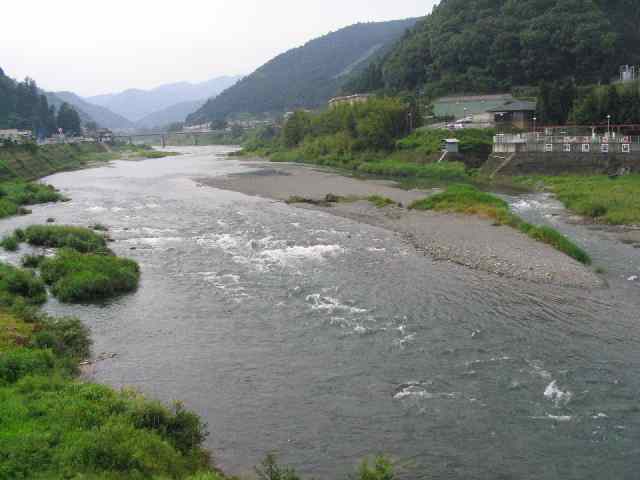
20, 362
15, 194
58, 236
77, 277
10, 243
58, 429
32, 261
64, 336
17, 284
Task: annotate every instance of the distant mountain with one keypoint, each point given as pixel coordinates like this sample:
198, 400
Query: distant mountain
172, 114
101, 115
135, 104
305, 77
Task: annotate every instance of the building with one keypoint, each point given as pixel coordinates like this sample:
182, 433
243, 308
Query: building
459, 107
516, 114
629, 73
104, 135
349, 100
15, 135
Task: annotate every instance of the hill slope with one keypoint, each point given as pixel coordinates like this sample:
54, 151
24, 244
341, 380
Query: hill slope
101, 115
136, 104
172, 114
307, 76
488, 45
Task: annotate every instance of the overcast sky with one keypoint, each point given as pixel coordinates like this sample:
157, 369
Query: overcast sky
92, 47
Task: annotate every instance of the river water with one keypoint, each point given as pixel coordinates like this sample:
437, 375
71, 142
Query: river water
326, 340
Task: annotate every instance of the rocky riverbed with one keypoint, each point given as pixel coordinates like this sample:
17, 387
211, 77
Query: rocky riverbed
466, 240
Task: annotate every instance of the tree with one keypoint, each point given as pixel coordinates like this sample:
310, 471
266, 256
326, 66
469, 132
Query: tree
296, 128
69, 120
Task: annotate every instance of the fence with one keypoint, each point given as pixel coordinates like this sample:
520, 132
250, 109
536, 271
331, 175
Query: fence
540, 143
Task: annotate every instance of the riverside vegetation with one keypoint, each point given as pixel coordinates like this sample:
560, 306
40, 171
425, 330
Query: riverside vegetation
83, 269
615, 201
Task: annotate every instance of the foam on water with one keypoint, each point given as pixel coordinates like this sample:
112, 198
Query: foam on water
557, 396
331, 305
296, 253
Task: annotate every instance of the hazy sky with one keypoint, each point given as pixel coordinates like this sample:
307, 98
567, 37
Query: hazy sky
92, 47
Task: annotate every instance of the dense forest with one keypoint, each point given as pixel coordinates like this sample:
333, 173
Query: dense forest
494, 45
24, 106
305, 77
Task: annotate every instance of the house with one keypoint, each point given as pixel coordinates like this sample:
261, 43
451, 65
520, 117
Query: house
104, 135
516, 113
349, 100
15, 135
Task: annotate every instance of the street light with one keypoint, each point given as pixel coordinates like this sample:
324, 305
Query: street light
534, 124
608, 126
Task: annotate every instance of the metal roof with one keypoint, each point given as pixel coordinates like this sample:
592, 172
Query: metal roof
515, 106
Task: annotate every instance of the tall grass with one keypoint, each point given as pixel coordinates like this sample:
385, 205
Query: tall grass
469, 200
609, 200
16, 194
58, 236
20, 285
77, 277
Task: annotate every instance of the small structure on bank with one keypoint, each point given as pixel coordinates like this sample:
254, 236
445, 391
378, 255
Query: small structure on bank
516, 114
349, 100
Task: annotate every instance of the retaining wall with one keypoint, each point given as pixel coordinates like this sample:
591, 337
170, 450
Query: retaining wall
560, 163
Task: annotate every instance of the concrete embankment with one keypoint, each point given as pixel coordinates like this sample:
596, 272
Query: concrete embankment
560, 163
29, 162
466, 240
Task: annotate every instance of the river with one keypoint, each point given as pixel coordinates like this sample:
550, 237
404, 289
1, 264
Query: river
325, 340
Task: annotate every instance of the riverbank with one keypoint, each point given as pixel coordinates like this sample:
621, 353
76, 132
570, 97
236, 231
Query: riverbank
471, 241
603, 199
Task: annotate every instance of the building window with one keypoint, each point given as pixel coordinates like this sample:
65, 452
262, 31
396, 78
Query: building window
567, 148
604, 148
586, 147
548, 147
626, 148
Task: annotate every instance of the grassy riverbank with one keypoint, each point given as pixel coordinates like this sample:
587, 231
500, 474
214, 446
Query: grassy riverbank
468, 200
614, 201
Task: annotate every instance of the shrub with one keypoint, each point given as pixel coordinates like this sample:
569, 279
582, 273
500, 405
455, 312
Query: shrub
77, 277
182, 428
64, 336
10, 243
55, 428
21, 284
57, 236
20, 362
32, 261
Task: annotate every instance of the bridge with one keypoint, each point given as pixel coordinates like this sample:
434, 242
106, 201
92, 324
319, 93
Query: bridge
163, 136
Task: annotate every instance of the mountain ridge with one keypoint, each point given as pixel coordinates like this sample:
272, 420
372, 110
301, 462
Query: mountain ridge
305, 76
135, 104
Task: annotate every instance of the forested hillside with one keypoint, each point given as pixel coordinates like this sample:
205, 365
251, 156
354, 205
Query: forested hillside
25, 107
307, 76
491, 45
